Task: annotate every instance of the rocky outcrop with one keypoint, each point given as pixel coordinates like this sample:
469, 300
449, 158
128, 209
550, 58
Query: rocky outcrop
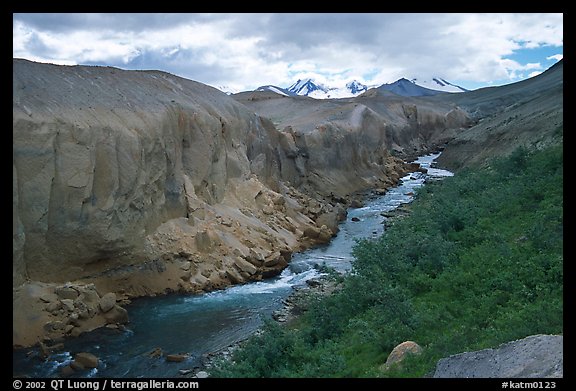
536, 356
45, 310
142, 183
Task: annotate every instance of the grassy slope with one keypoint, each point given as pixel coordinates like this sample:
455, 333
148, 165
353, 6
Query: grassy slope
477, 263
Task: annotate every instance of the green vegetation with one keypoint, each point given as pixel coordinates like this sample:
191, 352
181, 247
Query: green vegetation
477, 263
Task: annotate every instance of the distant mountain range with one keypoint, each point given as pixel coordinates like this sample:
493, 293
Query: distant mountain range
404, 87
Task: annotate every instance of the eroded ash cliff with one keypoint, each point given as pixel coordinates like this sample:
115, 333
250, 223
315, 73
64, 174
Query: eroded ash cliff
133, 183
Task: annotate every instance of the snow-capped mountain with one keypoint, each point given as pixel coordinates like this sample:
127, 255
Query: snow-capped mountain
355, 87
276, 89
405, 87
437, 83
309, 87
421, 87
306, 87
227, 90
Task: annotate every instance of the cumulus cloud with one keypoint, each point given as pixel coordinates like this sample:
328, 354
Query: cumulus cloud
244, 51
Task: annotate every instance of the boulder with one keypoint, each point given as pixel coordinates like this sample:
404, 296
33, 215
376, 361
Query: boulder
311, 232
536, 356
107, 302
66, 371
325, 234
116, 315
400, 352
157, 352
53, 306
87, 360
176, 357
245, 266
66, 292
68, 304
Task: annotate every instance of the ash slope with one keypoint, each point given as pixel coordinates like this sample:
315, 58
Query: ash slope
528, 114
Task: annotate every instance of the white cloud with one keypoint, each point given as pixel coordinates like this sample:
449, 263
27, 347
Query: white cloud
556, 57
244, 51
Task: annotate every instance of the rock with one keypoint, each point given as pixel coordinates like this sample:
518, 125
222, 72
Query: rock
199, 281
202, 375
53, 306
68, 304
108, 301
245, 266
67, 293
325, 234
66, 371
355, 219
156, 353
54, 325
400, 352
185, 371
116, 315
536, 356
91, 297
76, 366
356, 203
268, 210
234, 276
49, 298
87, 360
43, 350
311, 232
331, 218
176, 357
314, 283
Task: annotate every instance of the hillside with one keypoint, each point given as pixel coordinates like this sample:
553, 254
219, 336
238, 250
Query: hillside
528, 113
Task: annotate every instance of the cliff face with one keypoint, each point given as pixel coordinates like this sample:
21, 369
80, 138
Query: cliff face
102, 157
141, 182
351, 136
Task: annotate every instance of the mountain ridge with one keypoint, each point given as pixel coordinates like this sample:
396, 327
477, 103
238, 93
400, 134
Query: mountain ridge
403, 87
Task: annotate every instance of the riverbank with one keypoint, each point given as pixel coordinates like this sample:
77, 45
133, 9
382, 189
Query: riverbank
300, 300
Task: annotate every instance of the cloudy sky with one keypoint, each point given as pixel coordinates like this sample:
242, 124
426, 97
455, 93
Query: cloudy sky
245, 51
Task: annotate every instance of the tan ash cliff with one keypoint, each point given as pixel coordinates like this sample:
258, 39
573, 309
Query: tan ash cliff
140, 182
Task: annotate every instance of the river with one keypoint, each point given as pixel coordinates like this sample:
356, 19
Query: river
200, 324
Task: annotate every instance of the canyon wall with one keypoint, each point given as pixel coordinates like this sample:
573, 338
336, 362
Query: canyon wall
137, 183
